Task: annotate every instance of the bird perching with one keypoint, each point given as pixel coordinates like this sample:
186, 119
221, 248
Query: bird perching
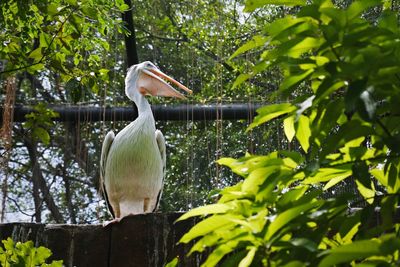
133, 161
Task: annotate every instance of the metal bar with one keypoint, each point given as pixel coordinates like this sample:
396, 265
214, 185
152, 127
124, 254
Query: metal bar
161, 112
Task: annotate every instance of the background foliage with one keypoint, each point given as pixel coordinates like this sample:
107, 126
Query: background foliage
67, 52
340, 71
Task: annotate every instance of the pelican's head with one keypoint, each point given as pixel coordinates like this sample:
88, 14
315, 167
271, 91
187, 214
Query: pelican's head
146, 79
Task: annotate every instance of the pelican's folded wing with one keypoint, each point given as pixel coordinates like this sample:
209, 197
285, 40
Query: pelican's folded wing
108, 140
161, 146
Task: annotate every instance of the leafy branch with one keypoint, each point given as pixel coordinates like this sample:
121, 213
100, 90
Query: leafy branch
280, 204
48, 49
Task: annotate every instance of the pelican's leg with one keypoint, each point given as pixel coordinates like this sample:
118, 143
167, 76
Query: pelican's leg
117, 218
117, 211
146, 203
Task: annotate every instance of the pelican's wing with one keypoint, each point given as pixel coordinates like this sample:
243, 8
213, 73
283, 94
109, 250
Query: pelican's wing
108, 140
161, 146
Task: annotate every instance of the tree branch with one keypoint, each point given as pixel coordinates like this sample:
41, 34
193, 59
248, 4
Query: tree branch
39, 181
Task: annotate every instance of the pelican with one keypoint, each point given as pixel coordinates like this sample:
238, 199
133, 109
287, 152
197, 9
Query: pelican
132, 164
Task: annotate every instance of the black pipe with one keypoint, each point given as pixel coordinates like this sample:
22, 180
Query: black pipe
161, 112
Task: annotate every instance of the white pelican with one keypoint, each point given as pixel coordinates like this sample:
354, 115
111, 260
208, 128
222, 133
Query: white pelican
132, 162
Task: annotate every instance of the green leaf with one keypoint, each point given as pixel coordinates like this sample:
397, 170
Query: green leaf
25, 254
360, 170
388, 179
303, 132
206, 226
233, 259
218, 253
285, 217
241, 79
339, 16
366, 192
379, 174
8, 244
389, 207
35, 67
42, 135
229, 162
305, 45
326, 174
354, 251
335, 180
293, 155
205, 210
237, 166
327, 87
251, 5
393, 174
270, 112
52, 9
347, 132
204, 242
72, 2
352, 97
388, 20
123, 7
349, 228
89, 11
256, 178
291, 196
55, 264
358, 7
246, 261
326, 119
293, 80
305, 243
295, 264
288, 162
255, 223
44, 39
36, 54
41, 254
279, 25
172, 263
256, 41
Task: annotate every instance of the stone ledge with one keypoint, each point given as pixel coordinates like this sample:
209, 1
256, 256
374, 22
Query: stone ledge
139, 240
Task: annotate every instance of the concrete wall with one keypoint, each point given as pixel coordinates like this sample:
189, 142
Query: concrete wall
140, 240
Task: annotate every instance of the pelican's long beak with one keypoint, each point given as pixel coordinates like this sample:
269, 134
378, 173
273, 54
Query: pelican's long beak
156, 85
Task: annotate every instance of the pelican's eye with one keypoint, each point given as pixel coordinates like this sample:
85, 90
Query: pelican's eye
150, 65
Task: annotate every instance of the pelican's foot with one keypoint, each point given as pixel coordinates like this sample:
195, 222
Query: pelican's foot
116, 220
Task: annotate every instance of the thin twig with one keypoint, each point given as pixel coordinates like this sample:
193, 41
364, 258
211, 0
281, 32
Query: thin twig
384, 128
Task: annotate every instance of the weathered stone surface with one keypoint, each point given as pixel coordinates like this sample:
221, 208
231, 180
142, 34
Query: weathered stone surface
140, 240
79, 245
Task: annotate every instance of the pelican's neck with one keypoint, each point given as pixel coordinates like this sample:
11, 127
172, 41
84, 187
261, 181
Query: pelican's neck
141, 102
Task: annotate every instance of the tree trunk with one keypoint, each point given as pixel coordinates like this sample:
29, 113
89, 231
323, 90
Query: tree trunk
130, 40
6, 138
70, 145
36, 199
39, 181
